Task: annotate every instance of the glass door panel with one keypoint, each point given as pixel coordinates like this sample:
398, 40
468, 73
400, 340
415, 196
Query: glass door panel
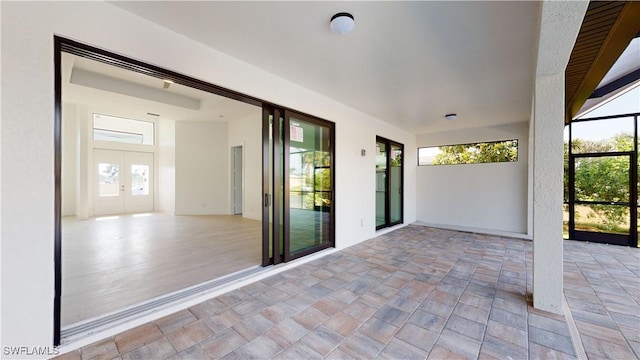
381, 184
308, 185
298, 184
602, 198
389, 183
139, 180
273, 220
108, 179
395, 193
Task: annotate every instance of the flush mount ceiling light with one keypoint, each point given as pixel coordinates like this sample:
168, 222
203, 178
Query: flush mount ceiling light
342, 23
451, 116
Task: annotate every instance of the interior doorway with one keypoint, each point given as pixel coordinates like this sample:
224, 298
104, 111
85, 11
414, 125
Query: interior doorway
282, 181
237, 182
145, 210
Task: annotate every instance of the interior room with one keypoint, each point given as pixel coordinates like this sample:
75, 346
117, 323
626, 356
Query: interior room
161, 188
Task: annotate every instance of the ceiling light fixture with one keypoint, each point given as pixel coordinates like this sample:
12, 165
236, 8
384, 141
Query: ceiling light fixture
342, 23
451, 116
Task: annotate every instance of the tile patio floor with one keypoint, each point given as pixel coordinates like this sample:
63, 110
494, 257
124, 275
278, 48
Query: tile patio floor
414, 293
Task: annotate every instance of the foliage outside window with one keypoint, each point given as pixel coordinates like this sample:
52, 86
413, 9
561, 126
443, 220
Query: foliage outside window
473, 153
603, 179
311, 179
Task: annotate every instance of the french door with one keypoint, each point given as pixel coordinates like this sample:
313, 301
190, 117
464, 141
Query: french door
298, 184
123, 182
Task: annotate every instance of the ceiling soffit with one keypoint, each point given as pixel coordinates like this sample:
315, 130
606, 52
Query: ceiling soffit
607, 29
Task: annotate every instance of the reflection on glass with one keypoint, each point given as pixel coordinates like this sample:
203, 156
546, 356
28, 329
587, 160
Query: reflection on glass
139, 180
565, 221
607, 135
108, 180
396, 184
310, 188
603, 178
613, 219
280, 184
270, 197
381, 183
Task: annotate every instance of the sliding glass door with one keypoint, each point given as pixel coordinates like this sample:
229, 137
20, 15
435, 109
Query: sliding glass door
389, 180
299, 185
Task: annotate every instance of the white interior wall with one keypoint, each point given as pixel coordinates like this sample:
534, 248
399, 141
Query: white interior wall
70, 158
84, 200
166, 165
490, 197
247, 132
202, 168
28, 108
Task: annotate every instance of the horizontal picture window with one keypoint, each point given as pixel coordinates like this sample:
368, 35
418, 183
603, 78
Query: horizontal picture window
473, 153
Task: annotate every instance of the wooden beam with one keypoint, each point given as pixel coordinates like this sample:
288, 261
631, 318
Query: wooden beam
625, 28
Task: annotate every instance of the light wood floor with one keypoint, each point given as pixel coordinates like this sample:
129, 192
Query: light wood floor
109, 264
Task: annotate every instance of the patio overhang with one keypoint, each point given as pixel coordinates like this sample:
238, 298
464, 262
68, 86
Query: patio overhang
607, 30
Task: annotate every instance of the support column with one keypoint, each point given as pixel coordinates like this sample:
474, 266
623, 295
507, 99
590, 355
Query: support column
548, 161
560, 23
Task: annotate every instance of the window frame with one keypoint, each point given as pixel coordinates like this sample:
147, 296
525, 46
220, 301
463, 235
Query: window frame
471, 143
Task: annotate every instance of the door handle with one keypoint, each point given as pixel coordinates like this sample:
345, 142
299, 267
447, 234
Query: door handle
267, 200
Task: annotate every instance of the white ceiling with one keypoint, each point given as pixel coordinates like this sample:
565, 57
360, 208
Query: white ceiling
407, 63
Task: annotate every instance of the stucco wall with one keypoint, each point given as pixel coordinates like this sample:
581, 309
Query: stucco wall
489, 197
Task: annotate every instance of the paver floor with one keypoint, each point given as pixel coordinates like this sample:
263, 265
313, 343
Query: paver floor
414, 293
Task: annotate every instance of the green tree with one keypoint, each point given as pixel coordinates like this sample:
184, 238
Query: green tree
502, 151
602, 179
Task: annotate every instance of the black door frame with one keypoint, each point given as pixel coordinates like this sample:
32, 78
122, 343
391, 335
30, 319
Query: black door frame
64, 45
288, 114
387, 204
632, 204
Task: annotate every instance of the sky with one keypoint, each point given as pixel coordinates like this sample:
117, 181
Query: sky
627, 103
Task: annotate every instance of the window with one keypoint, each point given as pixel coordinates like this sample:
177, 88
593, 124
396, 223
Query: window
473, 153
122, 130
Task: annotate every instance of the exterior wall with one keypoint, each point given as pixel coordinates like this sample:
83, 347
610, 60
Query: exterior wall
27, 137
489, 197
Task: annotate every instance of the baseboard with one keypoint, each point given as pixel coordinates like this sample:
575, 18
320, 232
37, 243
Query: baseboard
476, 230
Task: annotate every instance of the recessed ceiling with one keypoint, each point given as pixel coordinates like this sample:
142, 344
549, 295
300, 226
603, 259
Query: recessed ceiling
407, 63
127, 93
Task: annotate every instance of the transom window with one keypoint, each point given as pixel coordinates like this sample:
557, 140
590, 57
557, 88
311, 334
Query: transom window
122, 130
